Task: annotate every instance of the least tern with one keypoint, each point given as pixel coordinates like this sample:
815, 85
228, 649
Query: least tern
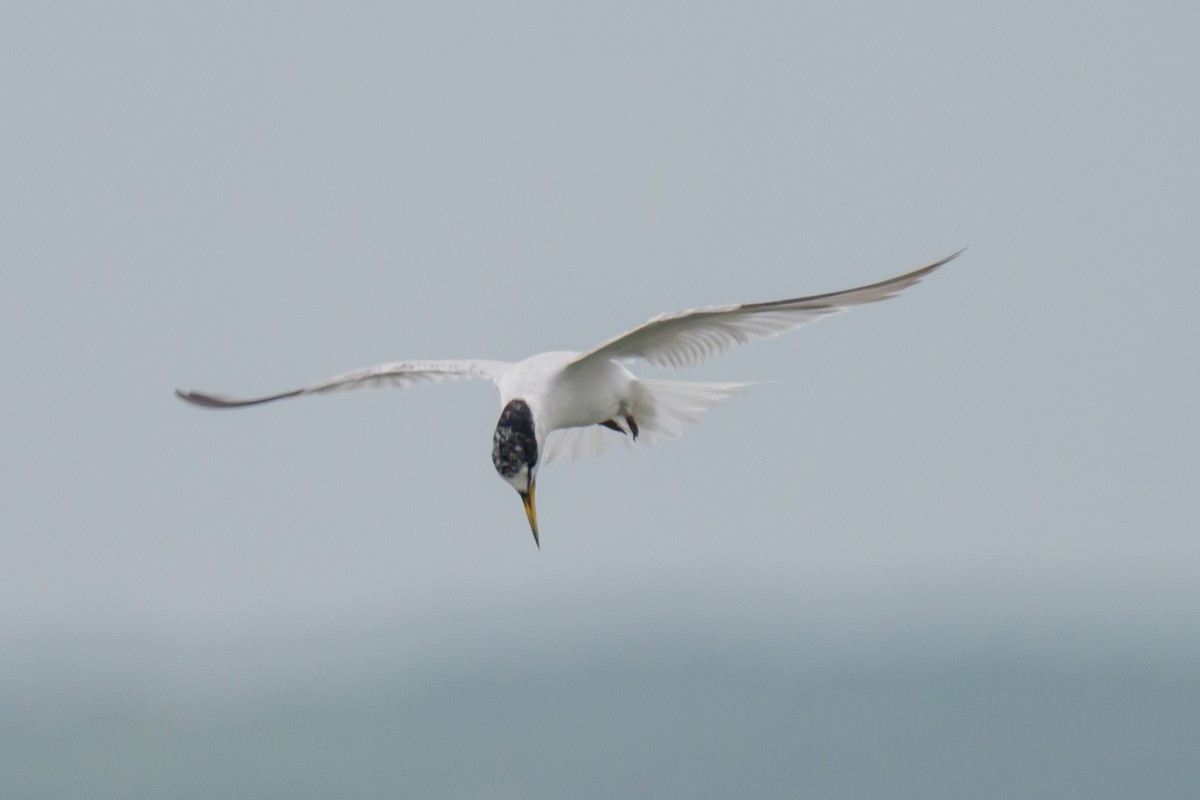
570, 403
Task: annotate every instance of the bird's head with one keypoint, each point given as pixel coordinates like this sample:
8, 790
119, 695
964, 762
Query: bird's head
515, 455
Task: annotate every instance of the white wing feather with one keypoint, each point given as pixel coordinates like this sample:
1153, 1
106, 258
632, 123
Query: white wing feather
688, 338
399, 374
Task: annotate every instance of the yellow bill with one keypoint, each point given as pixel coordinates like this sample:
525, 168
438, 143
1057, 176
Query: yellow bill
531, 512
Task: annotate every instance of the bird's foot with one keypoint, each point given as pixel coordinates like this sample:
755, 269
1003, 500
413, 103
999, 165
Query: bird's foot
630, 428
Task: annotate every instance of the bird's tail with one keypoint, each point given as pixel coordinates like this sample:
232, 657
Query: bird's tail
664, 408
661, 410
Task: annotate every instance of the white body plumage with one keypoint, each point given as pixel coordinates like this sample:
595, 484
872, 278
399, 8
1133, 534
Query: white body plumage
567, 403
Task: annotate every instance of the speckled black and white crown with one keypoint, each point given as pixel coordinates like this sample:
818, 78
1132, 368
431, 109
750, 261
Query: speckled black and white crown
514, 445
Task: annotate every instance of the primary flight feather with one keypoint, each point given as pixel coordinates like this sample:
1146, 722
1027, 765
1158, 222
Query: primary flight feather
570, 403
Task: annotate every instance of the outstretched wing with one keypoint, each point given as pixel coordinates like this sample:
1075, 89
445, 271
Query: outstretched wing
400, 374
688, 338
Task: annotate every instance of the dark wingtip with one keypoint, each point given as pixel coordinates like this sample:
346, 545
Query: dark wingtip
923, 271
198, 399
213, 401
952, 256
202, 400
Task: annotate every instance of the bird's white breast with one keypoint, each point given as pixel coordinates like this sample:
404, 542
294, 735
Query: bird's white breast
561, 398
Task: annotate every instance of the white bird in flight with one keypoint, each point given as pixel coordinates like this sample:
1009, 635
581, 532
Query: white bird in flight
566, 403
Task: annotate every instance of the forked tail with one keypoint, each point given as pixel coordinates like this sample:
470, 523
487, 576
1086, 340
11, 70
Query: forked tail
664, 408
661, 410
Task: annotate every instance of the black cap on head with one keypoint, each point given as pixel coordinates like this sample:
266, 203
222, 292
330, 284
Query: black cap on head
514, 444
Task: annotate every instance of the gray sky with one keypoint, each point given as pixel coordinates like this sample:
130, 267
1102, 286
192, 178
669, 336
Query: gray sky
998, 467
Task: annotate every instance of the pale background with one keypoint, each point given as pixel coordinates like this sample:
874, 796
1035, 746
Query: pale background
948, 549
